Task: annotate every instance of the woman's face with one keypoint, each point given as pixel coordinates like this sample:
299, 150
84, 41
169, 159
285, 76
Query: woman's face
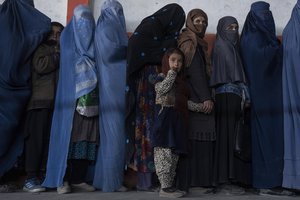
200, 23
232, 27
232, 32
175, 62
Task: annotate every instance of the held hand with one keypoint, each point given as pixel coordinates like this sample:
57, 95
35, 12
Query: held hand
208, 106
174, 69
56, 48
247, 105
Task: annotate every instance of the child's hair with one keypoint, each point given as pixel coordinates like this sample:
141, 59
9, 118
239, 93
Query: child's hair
57, 24
165, 60
180, 85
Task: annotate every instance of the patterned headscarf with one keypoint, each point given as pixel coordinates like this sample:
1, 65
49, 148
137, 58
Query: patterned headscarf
154, 36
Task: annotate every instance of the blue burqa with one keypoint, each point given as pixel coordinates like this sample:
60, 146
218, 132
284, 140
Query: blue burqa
111, 45
23, 28
291, 96
262, 57
77, 77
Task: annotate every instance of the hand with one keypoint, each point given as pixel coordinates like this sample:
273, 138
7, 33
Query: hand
174, 69
56, 49
247, 105
208, 106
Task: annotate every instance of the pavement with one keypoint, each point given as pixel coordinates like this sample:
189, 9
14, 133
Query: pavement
195, 193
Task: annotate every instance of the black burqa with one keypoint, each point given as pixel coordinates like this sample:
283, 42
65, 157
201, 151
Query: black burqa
227, 68
147, 45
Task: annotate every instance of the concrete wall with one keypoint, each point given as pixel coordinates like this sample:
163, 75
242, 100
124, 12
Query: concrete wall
55, 9
136, 10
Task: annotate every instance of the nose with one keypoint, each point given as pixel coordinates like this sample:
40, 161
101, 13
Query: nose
55, 36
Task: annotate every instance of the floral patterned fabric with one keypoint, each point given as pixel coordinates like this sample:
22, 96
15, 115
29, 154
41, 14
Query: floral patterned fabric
82, 150
143, 157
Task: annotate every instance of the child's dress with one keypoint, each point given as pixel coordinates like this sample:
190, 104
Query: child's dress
168, 131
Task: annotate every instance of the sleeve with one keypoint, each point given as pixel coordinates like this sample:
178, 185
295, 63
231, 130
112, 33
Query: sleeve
167, 84
199, 82
195, 107
45, 59
185, 47
245, 89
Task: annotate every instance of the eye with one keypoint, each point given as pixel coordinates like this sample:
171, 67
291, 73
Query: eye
232, 27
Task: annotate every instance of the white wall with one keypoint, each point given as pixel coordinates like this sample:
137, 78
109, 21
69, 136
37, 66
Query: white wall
136, 10
55, 9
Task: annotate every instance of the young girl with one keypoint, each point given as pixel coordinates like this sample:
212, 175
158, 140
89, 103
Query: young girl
169, 132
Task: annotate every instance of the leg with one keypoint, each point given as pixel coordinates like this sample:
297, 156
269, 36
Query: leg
165, 164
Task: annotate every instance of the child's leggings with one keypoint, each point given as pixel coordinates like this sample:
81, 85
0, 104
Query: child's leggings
165, 164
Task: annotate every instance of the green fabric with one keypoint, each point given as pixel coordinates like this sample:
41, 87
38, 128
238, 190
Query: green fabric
87, 105
82, 150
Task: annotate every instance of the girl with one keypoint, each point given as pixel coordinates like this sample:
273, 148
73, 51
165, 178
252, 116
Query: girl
169, 140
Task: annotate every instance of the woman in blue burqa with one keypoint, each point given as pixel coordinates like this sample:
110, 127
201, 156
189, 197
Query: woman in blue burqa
23, 28
74, 133
262, 57
111, 45
291, 96
146, 47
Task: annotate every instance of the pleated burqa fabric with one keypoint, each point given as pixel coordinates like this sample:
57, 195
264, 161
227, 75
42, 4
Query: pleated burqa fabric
111, 45
77, 77
291, 96
262, 59
23, 28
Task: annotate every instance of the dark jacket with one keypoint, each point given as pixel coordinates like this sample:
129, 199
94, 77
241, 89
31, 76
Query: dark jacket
44, 77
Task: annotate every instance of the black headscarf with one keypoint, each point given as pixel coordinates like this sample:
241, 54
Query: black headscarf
155, 34
226, 59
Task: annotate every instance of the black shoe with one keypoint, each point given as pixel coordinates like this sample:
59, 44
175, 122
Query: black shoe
170, 193
150, 189
7, 188
275, 191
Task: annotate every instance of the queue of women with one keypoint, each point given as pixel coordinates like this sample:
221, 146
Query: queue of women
157, 103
